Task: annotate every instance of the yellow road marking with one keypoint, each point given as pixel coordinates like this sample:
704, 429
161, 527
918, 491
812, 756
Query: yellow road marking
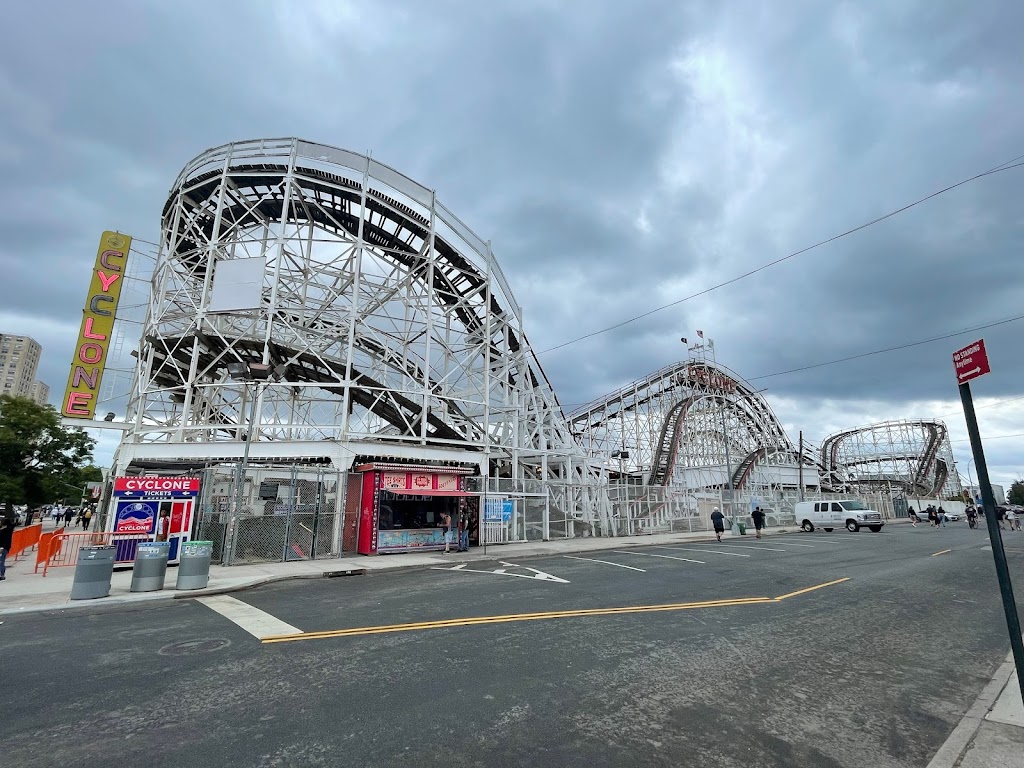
513, 617
445, 623
942, 552
811, 589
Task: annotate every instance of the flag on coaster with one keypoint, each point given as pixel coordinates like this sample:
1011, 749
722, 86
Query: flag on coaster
684, 340
700, 334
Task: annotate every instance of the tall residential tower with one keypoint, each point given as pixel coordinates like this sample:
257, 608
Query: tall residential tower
19, 359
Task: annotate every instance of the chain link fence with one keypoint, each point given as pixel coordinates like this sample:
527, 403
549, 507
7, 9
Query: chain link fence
282, 514
297, 513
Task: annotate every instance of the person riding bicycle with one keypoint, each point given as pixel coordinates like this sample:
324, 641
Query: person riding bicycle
972, 516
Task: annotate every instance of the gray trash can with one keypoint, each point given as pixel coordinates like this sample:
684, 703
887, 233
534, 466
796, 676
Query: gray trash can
150, 567
93, 571
194, 566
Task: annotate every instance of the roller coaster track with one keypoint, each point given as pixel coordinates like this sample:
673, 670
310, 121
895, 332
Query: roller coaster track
930, 472
228, 193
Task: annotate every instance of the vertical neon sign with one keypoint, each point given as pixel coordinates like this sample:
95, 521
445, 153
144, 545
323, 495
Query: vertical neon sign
97, 326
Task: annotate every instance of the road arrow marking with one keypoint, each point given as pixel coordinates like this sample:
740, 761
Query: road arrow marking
536, 575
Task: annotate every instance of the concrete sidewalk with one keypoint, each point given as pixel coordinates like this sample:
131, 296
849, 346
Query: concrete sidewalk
992, 731
27, 592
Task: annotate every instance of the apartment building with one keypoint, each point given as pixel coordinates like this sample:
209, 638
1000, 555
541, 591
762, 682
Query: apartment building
19, 360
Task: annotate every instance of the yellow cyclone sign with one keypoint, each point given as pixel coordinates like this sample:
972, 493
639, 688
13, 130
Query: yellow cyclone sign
97, 326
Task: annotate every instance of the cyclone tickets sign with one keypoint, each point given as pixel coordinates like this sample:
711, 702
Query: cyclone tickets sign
156, 487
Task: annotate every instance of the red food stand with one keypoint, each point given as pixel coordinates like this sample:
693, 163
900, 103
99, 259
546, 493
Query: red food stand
402, 507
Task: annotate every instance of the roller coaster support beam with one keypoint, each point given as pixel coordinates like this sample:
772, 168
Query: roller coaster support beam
989, 502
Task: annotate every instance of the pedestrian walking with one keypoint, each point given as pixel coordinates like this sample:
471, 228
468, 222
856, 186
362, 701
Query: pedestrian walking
68, 514
6, 536
942, 516
912, 515
758, 517
1011, 518
718, 521
87, 518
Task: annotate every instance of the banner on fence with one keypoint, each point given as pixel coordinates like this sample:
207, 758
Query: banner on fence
498, 510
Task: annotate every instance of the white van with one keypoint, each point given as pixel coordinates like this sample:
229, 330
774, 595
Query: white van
832, 514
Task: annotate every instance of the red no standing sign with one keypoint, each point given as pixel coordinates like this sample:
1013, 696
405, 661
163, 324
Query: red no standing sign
971, 362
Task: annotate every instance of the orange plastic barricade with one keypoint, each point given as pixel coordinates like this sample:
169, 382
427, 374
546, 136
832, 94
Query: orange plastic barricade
25, 538
63, 548
43, 553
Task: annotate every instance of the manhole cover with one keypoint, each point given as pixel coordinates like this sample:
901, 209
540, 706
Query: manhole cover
207, 645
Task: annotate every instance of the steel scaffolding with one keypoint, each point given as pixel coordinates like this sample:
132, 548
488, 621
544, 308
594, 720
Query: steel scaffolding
387, 325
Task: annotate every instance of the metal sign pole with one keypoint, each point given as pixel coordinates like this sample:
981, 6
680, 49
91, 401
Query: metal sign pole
989, 502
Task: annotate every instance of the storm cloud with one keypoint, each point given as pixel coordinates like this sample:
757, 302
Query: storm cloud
619, 157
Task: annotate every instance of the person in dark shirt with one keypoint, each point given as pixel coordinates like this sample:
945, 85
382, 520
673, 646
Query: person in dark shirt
718, 521
758, 516
6, 535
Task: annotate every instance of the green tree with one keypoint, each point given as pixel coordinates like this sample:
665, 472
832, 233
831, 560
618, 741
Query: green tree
1016, 494
38, 455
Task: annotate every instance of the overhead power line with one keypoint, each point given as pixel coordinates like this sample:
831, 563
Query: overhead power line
896, 348
985, 439
1008, 165
908, 345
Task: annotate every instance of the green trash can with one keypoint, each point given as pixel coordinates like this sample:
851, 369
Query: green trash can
743, 528
194, 566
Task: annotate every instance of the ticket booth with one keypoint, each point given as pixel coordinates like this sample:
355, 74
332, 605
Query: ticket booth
139, 505
402, 507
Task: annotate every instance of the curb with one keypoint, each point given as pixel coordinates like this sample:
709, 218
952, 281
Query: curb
178, 594
960, 739
260, 581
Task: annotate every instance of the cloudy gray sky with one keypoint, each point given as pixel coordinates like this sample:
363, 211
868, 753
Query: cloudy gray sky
620, 156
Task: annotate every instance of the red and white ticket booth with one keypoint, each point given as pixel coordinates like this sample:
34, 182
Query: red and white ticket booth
402, 507
141, 502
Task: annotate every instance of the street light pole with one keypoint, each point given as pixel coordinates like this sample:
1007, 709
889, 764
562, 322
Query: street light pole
255, 373
728, 461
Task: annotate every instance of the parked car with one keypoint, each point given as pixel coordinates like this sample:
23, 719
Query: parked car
773, 518
922, 516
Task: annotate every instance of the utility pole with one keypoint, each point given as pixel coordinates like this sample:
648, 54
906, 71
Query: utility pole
800, 462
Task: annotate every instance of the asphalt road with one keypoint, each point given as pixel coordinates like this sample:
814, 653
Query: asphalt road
872, 671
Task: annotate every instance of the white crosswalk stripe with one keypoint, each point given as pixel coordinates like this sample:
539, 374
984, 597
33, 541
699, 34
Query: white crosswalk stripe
606, 562
717, 552
257, 623
667, 557
750, 546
